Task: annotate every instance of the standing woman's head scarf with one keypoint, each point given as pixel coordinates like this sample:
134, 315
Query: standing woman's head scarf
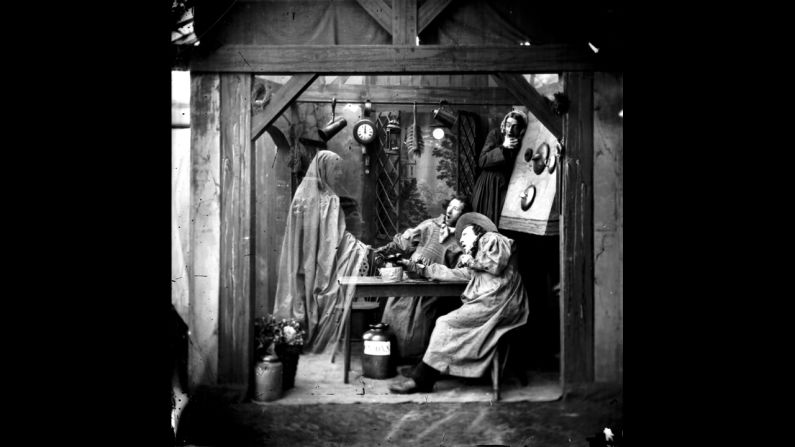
321, 172
521, 119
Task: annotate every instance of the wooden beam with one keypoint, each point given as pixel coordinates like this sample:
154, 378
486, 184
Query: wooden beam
280, 100
404, 22
535, 102
428, 11
577, 276
380, 11
235, 322
205, 236
383, 94
396, 59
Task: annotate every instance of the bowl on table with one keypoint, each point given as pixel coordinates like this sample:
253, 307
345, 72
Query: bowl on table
391, 274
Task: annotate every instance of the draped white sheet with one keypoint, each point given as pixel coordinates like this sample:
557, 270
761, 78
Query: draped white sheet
317, 250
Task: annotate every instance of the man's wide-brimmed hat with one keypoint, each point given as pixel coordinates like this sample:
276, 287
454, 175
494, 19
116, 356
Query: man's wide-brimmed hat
473, 218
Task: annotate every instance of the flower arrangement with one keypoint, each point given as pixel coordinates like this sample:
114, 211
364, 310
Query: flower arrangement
271, 334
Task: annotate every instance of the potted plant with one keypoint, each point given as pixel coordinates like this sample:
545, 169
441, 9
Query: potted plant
285, 338
264, 334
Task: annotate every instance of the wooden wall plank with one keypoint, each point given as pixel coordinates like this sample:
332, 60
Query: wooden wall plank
535, 102
408, 95
280, 100
429, 11
273, 196
205, 241
477, 81
577, 277
264, 149
234, 326
404, 22
608, 256
380, 11
397, 59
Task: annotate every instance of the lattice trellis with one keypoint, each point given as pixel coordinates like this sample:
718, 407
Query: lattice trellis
387, 191
467, 152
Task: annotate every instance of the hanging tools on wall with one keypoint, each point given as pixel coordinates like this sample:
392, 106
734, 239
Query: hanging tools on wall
392, 130
334, 126
414, 142
445, 115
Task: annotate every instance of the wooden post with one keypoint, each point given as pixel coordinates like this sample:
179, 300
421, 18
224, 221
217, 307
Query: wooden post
576, 220
608, 227
235, 319
273, 178
404, 22
205, 243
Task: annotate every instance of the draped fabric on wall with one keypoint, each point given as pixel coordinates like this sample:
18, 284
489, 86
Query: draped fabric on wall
345, 22
179, 272
180, 221
463, 24
507, 22
287, 22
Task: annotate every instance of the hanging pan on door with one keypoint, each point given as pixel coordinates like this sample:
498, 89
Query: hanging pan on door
544, 157
528, 197
552, 160
540, 158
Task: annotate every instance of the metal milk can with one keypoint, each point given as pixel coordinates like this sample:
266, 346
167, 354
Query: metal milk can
377, 359
268, 379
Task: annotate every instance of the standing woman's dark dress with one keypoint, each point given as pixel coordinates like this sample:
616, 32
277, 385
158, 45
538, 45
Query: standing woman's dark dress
496, 164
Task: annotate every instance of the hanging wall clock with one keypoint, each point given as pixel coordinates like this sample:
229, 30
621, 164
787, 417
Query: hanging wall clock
364, 131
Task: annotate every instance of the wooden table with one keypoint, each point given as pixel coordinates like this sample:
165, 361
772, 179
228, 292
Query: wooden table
374, 286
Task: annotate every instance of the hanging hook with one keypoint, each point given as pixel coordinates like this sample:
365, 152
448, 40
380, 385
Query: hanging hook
368, 107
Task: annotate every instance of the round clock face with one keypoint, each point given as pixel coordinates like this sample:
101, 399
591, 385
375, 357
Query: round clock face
364, 132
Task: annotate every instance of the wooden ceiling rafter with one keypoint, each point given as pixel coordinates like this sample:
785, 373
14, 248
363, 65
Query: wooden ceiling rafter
380, 11
404, 21
279, 102
398, 59
429, 11
385, 16
383, 94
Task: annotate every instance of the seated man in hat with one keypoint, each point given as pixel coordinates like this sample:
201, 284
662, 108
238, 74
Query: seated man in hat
464, 341
432, 241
